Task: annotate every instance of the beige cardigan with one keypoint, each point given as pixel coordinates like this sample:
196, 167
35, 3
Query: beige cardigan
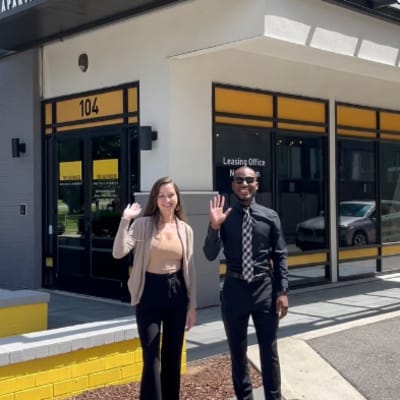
138, 237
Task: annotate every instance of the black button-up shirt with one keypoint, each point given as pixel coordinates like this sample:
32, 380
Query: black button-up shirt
268, 243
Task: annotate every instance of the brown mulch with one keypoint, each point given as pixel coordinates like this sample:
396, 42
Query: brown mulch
208, 378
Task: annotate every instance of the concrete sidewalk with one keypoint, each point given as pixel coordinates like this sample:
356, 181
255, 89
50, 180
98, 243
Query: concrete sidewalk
356, 356
329, 343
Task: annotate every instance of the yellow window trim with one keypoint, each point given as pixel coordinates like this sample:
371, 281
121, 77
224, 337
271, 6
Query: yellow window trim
301, 110
305, 259
350, 132
356, 117
82, 108
48, 114
243, 102
358, 253
90, 124
243, 121
132, 120
303, 128
132, 100
389, 121
390, 136
390, 250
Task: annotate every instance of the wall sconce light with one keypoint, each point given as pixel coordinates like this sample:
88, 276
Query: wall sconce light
17, 147
83, 62
146, 137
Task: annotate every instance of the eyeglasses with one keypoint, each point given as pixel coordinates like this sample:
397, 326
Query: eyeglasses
241, 179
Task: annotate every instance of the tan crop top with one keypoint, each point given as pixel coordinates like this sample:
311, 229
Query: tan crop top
165, 255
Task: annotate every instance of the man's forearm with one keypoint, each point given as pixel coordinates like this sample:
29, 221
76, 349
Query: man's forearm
212, 244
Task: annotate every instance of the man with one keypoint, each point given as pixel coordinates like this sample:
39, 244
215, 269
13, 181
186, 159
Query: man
252, 285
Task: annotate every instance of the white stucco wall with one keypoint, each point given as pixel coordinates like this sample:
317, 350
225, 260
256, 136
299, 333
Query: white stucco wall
138, 49
303, 47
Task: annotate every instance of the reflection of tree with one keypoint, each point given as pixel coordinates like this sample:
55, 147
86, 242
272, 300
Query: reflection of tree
106, 147
71, 194
70, 151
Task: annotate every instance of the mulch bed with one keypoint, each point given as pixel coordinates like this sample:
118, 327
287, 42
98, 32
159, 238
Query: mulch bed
206, 379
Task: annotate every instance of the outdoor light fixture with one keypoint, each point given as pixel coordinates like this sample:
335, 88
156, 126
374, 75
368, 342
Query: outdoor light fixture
83, 62
146, 137
17, 147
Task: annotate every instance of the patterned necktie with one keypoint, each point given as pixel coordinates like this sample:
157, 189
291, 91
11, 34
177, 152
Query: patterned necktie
247, 252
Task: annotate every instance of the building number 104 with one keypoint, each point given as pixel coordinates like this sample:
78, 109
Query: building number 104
89, 106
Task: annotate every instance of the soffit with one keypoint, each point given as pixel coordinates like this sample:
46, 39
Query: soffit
28, 23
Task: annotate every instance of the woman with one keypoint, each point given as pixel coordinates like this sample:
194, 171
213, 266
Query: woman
162, 284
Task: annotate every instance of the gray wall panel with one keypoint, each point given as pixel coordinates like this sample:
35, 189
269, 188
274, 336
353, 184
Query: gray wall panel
20, 178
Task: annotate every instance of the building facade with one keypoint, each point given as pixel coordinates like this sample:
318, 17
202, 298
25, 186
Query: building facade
303, 91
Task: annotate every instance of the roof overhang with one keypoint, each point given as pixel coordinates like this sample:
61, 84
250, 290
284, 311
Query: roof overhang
305, 54
28, 23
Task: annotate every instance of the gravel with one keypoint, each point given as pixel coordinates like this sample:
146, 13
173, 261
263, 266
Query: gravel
209, 378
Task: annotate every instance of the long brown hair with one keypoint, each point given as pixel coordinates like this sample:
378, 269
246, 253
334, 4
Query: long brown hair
152, 209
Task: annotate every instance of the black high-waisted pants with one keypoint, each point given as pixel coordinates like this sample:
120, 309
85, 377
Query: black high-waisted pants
162, 308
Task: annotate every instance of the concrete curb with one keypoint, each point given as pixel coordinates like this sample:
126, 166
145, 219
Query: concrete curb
305, 374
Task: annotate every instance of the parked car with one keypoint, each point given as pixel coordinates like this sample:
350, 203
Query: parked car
357, 225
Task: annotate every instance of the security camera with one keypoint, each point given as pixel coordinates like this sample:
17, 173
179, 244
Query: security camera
83, 62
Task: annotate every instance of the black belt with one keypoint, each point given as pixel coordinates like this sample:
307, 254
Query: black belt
257, 277
168, 275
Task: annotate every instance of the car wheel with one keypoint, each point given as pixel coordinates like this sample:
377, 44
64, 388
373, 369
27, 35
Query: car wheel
360, 239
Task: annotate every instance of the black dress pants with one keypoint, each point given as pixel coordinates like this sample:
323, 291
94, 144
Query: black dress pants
239, 300
162, 308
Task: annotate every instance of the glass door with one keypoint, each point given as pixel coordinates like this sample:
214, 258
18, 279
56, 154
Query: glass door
301, 191
89, 200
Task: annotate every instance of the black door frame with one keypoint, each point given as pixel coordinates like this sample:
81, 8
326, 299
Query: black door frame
129, 167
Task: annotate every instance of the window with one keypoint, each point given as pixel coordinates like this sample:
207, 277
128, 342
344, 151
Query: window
238, 146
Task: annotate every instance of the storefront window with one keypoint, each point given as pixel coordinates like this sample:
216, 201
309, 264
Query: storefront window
284, 139
357, 224
237, 146
390, 192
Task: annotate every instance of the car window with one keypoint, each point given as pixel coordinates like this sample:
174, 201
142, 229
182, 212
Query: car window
354, 209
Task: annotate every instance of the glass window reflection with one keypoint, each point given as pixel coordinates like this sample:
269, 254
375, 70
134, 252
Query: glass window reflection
357, 224
301, 197
390, 190
236, 146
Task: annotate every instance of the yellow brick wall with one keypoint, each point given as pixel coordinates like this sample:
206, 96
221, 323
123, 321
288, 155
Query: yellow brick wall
22, 319
66, 375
